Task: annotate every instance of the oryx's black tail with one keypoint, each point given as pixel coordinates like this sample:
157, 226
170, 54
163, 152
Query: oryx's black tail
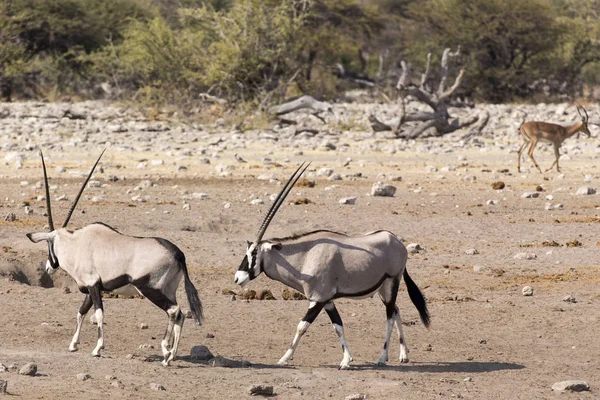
417, 298
193, 298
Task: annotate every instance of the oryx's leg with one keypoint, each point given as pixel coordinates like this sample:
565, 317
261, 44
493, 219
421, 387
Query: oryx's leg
96, 296
314, 309
530, 153
403, 348
336, 321
556, 157
172, 335
525, 143
85, 307
388, 293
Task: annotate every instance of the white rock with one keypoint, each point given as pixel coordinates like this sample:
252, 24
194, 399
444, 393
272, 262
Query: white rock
525, 256
143, 326
27, 210
558, 206
548, 206
28, 369
414, 248
142, 165
62, 198
549, 197
356, 396
266, 177
325, 172
471, 252
145, 184
469, 178
348, 200
186, 207
587, 178
227, 205
83, 377
491, 202
335, 177
585, 190
383, 189
223, 167
479, 268
257, 202
94, 184
527, 291
200, 196
157, 387
569, 299
430, 169
572, 386
157, 162
530, 195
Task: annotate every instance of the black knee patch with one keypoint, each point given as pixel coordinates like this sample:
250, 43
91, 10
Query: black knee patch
313, 313
334, 316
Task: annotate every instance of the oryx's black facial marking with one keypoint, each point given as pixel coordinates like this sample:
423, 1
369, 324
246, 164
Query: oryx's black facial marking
51, 256
249, 262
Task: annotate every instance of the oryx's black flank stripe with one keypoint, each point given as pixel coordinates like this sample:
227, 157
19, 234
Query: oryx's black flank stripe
364, 292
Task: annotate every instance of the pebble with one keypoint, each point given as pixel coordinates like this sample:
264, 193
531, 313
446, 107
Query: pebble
479, 268
10, 217
471, 252
94, 184
525, 256
157, 387
335, 177
200, 196
491, 202
383, 189
261, 390
143, 326
257, 202
117, 384
325, 172
348, 200
186, 207
27, 210
569, 299
28, 369
530, 195
83, 377
585, 190
3, 368
572, 386
527, 291
414, 248
356, 396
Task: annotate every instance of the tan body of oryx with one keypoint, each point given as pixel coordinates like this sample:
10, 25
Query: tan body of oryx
100, 259
325, 265
534, 131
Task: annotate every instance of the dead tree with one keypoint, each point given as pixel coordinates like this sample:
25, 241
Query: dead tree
437, 100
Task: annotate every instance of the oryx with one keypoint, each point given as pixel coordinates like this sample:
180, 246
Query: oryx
326, 265
99, 259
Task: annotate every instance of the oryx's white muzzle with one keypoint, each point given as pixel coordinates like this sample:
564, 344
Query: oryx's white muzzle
242, 277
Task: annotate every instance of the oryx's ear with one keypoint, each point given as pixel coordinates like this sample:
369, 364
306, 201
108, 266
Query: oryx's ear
38, 237
269, 246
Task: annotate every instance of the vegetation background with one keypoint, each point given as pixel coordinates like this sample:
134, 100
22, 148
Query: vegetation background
261, 51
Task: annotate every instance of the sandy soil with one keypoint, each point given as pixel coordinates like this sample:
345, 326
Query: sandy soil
487, 340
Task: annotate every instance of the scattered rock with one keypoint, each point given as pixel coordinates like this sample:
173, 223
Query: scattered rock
491, 202
348, 200
569, 299
527, 291
471, 252
290, 294
143, 326
325, 172
10, 217
572, 386
110, 377
219, 361
585, 190
94, 184
3, 368
414, 248
28, 369
261, 390
157, 387
200, 196
525, 256
356, 396
256, 202
479, 268
498, 185
530, 195
201, 353
117, 384
383, 189
83, 377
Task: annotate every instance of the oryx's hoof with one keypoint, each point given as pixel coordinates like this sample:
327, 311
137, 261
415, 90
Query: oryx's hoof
344, 365
73, 348
165, 363
282, 362
404, 360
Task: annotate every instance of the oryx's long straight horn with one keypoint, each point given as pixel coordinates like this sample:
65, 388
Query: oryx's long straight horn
64, 225
48, 207
279, 200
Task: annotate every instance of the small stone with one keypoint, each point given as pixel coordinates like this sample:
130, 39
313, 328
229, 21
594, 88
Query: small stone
414, 248
525, 256
348, 200
499, 185
573, 386
200, 196
27, 210
110, 377
587, 178
157, 162
471, 252
129, 356
468, 379
83, 377
3, 387
117, 384
479, 268
28, 369
558, 206
256, 202
527, 291
356, 396
530, 195
335, 177
261, 390
550, 197
145, 184
188, 314
585, 190
430, 169
227, 206
146, 346
143, 326
383, 189
10, 217
66, 290
142, 165
157, 387
548, 206
186, 207
3, 368
201, 353
325, 172
569, 299
94, 184
491, 202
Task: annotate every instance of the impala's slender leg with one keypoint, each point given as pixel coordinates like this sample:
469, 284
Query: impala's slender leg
336, 321
83, 310
556, 156
525, 143
94, 293
534, 141
314, 309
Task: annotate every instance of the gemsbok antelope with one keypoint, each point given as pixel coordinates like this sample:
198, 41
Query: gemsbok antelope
534, 131
326, 265
99, 259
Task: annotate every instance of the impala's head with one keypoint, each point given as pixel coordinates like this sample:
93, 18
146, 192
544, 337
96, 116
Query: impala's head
52, 264
584, 121
251, 265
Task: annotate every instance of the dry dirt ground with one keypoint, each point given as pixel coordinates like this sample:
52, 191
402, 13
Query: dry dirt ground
487, 340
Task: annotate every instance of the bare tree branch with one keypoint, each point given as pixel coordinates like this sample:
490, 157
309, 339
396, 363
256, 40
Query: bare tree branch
425, 74
299, 103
